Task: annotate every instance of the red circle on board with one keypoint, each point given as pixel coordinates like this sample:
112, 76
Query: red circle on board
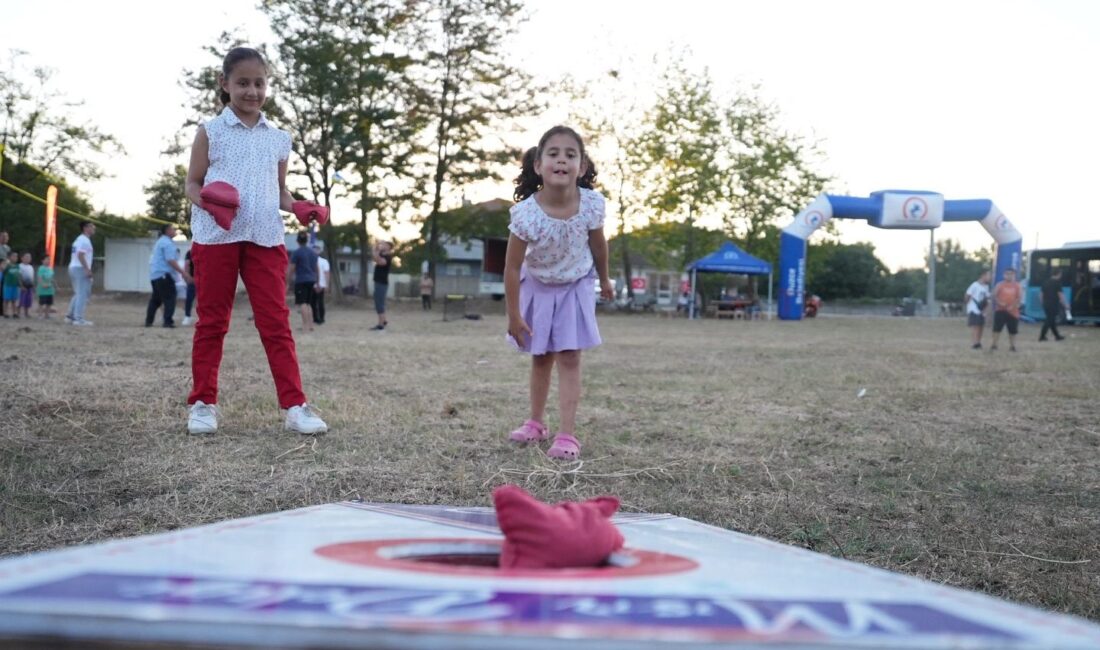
373, 553
637, 283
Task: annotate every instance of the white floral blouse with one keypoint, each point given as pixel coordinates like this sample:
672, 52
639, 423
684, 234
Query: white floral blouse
557, 249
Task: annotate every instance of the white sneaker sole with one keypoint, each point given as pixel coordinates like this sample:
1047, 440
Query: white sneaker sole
307, 432
201, 429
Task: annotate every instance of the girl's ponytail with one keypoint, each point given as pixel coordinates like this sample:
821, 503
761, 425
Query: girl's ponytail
588, 181
528, 182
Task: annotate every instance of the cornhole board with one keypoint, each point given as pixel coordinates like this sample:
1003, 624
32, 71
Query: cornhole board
362, 575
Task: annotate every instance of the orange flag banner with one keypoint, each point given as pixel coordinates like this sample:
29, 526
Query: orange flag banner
51, 224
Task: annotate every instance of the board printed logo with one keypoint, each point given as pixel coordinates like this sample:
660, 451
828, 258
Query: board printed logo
914, 209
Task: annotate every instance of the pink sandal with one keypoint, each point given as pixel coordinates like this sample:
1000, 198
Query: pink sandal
565, 447
530, 431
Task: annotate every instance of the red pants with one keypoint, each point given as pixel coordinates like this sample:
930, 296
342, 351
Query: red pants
264, 273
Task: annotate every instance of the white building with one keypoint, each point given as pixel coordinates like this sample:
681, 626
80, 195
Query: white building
126, 263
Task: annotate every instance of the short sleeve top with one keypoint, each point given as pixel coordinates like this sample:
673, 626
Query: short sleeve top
1051, 289
164, 252
248, 159
81, 245
304, 260
382, 271
557, 249
977, 292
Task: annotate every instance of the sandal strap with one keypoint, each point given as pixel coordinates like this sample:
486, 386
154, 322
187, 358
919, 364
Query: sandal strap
567, 439
536, 425
529, 431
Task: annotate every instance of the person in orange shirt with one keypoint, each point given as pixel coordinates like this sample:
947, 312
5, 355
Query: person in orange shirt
1007, 296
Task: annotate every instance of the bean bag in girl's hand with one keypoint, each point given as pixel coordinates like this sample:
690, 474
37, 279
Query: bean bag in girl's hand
307, 212
562, 536
221, 200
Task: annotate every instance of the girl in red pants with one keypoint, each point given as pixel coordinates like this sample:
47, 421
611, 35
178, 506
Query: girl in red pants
237, 183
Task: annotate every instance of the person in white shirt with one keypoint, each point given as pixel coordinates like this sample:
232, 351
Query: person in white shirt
977, 303
237, 185
80, 274
323, 270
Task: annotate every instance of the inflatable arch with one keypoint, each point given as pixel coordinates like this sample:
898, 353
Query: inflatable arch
892, 209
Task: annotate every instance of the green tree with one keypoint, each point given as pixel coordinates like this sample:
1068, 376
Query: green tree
766, 174
844, 270
679, 149
608, 114
956, 268
662, 243
906, 283
386, 113
313, 96
166, 198
37, 127
474, 92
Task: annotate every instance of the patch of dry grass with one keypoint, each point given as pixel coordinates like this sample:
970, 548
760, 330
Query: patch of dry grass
972, 469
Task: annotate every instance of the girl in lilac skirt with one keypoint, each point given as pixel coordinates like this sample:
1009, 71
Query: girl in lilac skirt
556, 251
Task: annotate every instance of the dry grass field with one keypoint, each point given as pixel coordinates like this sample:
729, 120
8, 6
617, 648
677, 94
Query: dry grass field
974, 469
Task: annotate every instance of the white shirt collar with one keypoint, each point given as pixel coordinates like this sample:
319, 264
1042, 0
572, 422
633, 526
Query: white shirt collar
231, 118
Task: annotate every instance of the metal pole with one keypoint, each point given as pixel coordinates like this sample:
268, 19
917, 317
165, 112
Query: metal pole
691, 299
931, 302
769, 295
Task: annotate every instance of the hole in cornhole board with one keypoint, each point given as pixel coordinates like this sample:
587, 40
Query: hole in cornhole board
475, 557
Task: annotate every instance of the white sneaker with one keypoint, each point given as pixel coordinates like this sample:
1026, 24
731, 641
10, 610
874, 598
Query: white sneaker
304, 420
83, 323
203, 418
186, 321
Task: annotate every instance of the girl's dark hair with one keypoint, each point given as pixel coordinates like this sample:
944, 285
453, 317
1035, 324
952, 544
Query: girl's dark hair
235, 56
528, 182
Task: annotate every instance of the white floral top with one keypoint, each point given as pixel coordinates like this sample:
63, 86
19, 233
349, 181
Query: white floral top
557, 249
248, 159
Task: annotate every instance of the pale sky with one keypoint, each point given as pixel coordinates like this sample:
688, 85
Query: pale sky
973, 99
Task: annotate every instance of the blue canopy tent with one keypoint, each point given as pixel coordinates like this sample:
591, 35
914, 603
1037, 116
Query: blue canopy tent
730, 259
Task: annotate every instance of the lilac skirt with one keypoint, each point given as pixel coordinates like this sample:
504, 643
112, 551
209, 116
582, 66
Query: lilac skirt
561, 316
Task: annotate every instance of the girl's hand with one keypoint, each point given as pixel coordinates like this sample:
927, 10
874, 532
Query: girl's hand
517, 328
607, 291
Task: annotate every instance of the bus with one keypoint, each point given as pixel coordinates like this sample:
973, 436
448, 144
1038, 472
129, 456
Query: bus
1080, 264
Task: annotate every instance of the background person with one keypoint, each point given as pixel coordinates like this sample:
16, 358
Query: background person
163, 265
977, 301
1054, 305
1007, 296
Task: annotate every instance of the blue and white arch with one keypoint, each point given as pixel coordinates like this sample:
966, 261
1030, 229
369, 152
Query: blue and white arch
892, 209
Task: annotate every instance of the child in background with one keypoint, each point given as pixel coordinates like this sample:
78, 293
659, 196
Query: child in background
26, 285
45, 288
11, 283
